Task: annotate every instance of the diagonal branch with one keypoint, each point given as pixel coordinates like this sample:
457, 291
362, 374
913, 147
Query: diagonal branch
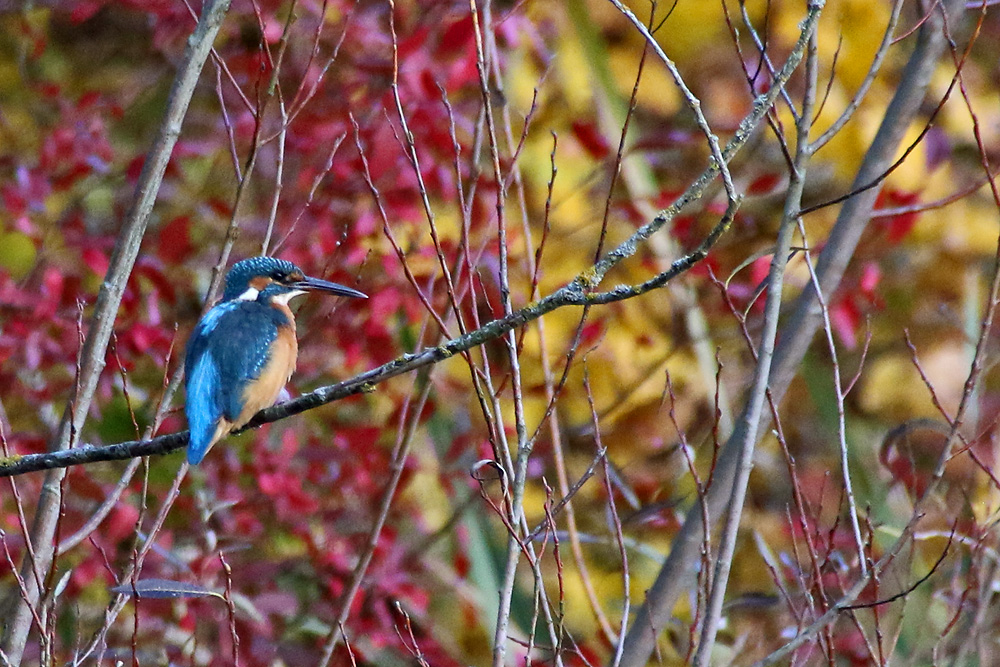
575, 293
572, 294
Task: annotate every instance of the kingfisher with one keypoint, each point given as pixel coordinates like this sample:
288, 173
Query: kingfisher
242, 352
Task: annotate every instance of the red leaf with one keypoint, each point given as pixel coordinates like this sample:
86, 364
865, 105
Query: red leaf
51, 90
845, 318
591, 139
121, 522
221, 207
135, 168
462, 565
84, 10
175, 240
870, 277
457, 35
898, 226
591, 333
683, 229
96, 261
88, 99
759, 269
269, 483
763, 184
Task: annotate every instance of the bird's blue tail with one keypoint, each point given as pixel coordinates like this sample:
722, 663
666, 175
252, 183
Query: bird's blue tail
199, 443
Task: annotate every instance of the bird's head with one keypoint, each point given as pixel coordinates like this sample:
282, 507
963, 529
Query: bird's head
276, 280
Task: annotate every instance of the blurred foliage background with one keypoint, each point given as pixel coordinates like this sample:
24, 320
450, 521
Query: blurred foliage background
290, 506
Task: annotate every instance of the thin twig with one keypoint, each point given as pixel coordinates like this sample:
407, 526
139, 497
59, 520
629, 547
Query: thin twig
616, 521
840, 396
873, 71
396, 468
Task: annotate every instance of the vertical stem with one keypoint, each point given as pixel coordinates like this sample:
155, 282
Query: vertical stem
758, 392
523, 446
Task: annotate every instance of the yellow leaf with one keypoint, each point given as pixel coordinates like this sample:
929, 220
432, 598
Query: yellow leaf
17, 254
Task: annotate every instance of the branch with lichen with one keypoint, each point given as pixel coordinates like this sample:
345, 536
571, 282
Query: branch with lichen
576, 293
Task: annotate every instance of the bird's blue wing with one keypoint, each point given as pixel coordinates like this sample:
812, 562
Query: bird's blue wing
228, 348
203, 405
202, 377
241, 349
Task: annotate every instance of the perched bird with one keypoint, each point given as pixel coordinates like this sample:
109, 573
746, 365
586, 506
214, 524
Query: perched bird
242, 352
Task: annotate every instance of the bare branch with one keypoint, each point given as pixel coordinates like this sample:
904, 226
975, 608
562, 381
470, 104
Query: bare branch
108, 300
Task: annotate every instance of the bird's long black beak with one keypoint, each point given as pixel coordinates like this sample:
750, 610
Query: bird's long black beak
315, 284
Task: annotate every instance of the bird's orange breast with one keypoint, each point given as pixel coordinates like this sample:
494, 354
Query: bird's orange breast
262, 392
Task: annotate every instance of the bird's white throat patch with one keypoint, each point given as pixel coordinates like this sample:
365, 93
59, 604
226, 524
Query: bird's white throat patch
288, 296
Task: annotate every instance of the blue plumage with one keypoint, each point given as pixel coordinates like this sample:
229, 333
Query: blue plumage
232, 341
243, 350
